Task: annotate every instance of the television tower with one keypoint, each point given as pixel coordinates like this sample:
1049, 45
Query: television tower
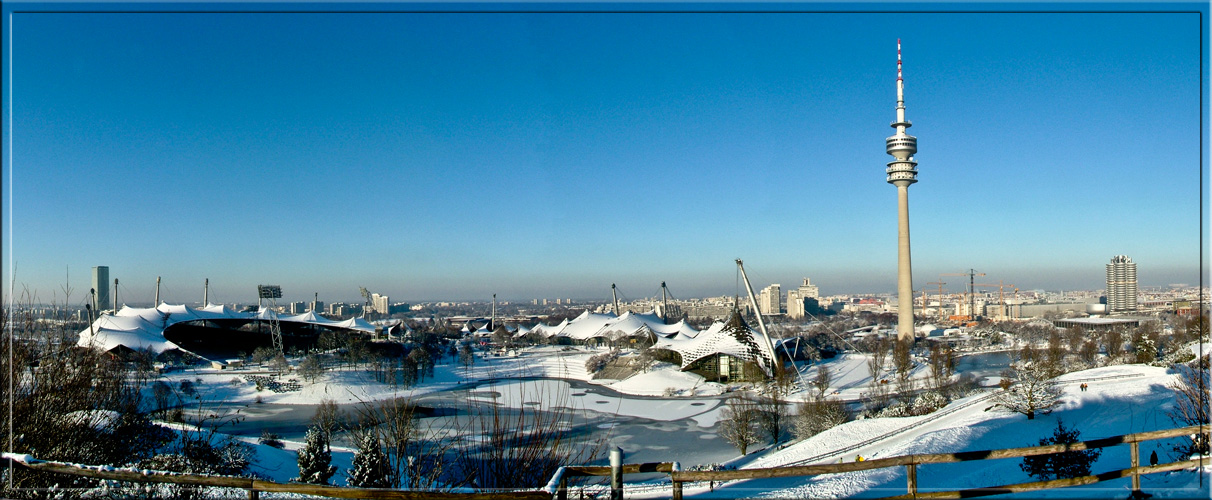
901, 173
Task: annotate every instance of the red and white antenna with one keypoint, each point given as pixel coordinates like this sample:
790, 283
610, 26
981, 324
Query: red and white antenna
898, 59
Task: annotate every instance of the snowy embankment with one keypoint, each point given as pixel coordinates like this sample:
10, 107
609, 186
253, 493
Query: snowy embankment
1120, 400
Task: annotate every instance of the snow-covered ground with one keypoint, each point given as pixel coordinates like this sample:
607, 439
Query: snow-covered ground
1120, 400
353, 385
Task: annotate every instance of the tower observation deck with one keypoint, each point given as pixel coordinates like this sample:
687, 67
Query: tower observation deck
902, 146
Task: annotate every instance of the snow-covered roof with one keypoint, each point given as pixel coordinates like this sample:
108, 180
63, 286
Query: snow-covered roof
143, 327
733, 338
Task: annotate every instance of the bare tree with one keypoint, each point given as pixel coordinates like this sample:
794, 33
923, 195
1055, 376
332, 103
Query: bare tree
939, 360
1076, 338
311, 368
466, 357
1113, 340
815, 416
519, 448
1191, 404
772, 412
879, 348
822, 380
738, 423
327, 418
902, 359
1053, 361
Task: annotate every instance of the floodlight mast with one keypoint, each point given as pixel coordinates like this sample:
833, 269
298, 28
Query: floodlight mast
272, 292
761, 324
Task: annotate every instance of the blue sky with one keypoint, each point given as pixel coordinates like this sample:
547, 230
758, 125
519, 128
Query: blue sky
456, 155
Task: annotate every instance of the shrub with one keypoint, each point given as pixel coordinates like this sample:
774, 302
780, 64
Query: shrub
928, 402
1064, 464
270, 439
597, 362
814, 417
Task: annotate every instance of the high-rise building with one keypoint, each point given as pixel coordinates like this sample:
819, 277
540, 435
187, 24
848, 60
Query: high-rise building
770, 301
902, 172
101, 286
795, 299
380, 304
1121, 285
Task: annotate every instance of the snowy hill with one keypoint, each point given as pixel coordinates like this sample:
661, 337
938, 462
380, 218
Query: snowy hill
1120, 400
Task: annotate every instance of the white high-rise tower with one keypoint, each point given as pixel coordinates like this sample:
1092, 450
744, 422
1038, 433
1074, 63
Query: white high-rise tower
901, 173
1121, 285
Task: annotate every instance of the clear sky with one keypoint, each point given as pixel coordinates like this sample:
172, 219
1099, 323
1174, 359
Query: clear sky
456, 155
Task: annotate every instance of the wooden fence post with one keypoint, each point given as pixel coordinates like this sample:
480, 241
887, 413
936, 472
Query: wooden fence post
254, 495
911, 475
616, 474
1135, 447
562, 490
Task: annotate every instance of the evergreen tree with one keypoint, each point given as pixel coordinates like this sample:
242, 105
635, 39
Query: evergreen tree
1061, 465
369, 468
314, 459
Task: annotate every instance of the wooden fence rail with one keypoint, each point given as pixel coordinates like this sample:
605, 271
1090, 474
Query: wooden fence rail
561, 476
678, 476
910, 462
255, 486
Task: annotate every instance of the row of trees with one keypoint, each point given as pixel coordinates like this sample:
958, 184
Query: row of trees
81, 405
486, 449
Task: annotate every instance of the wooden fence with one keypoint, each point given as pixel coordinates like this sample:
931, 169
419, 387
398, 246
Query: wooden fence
910, 462
255, 486
559, 484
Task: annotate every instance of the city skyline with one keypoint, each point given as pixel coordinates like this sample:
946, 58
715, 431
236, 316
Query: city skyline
456, 155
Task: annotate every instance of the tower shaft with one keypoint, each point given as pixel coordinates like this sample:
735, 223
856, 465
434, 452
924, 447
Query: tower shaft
904, 266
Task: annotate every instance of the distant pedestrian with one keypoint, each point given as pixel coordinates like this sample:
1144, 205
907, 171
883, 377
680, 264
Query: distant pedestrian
1153, 458
859, 458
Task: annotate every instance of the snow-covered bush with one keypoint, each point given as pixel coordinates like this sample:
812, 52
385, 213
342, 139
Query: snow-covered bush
928, 402
314, 459
898, 409
369, 468
1031, 391
598, 362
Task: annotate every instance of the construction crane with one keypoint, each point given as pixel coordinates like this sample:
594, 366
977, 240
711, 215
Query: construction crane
1001, 296
971, 274
940, 296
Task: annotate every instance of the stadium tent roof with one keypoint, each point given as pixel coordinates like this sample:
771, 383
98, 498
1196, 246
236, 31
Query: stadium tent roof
733, 338
310, 317
549, 330
354, 324
592, 325
143, 327
522, 331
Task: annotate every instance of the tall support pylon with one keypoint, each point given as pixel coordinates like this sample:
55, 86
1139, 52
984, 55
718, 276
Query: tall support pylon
902, 172
272, 292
